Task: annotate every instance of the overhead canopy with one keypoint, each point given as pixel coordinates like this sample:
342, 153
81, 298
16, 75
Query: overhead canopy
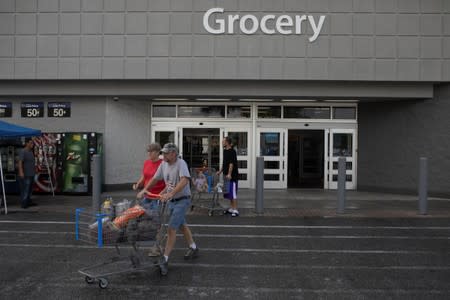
8, 130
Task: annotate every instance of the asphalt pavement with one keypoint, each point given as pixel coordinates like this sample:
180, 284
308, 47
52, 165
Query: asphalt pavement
273, 255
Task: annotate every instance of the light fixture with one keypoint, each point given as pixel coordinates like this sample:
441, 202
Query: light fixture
298, 100
212, 100
342, 101
256, 100
170, 99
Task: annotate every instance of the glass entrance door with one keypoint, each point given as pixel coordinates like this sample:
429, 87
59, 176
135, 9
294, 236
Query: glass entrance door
272, 146
201, 146
164, 135
342, 143
240, 139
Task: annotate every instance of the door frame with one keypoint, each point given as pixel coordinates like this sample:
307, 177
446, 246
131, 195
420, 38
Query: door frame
330, 170
223, 131
281, 158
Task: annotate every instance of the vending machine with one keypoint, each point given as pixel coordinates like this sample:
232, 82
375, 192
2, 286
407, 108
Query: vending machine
48, 157
77, 149
9, 151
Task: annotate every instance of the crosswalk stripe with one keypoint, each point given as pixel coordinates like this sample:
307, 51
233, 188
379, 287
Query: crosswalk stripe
269, 250
263, 226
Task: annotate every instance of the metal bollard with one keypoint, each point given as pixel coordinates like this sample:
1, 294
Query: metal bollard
259, 192
341, 185
423, 185
96, 182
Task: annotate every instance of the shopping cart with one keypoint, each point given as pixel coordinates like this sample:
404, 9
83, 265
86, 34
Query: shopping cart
206, 195
132, 234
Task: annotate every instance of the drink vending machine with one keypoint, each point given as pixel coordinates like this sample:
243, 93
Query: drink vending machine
77, 149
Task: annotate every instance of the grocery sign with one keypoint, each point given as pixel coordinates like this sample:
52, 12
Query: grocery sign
216, 22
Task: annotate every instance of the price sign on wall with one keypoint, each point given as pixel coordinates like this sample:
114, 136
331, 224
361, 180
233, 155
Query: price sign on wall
32, 109
58, 109
5, 109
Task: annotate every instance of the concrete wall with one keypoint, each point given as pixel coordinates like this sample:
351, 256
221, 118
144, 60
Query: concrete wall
392, 137
385, 40
126, 136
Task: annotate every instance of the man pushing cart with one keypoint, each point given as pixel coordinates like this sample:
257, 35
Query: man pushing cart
175, 173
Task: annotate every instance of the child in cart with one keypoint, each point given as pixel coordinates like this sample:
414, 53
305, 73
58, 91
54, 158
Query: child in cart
200, 182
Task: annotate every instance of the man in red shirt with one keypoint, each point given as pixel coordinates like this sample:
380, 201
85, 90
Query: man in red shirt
148, 171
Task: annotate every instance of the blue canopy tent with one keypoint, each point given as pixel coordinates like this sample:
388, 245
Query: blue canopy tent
12, 131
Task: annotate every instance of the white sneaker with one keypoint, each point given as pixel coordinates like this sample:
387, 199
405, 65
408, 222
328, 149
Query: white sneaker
234, 213
228, 211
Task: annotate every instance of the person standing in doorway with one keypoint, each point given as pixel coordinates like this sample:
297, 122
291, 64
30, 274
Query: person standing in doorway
230, 176
26, 171
151, 165
175, 173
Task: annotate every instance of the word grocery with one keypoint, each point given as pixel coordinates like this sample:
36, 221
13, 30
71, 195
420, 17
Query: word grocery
216, 23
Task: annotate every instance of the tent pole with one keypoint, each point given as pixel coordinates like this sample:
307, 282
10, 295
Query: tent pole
49, 173
3, 187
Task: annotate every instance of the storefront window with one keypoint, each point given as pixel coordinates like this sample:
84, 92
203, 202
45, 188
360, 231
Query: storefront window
164, 111
214, 111
342, 144
269, 112
164, 137
271, 177
270, 144
293, 112
344, 113
239, 141
238, 112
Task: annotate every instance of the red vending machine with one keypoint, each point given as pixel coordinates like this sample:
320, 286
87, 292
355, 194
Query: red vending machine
48, 158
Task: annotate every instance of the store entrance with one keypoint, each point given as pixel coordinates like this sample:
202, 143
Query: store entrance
305, 159
201, 145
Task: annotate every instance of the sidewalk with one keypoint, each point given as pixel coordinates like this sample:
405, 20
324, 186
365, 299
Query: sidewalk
277, 203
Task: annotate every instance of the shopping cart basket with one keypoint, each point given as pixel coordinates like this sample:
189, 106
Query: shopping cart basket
131, 233
206, 195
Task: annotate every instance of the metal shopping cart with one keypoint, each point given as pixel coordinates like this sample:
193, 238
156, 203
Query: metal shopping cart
131, 233
206, 190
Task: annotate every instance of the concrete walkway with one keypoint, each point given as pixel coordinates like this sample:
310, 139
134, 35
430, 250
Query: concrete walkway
277, 203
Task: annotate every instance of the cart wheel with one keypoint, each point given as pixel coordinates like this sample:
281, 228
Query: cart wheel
102, 283
89, 280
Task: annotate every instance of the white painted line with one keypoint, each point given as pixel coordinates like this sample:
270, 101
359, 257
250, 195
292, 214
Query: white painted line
248, 236
153, 291
262, 226
322, 237
233, 249
36, 232
36, 222
317, 227
249, 266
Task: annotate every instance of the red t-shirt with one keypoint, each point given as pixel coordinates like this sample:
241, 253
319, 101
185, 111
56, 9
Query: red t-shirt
149, 171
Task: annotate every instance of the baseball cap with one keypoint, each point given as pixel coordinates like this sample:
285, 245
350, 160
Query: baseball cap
169, 147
